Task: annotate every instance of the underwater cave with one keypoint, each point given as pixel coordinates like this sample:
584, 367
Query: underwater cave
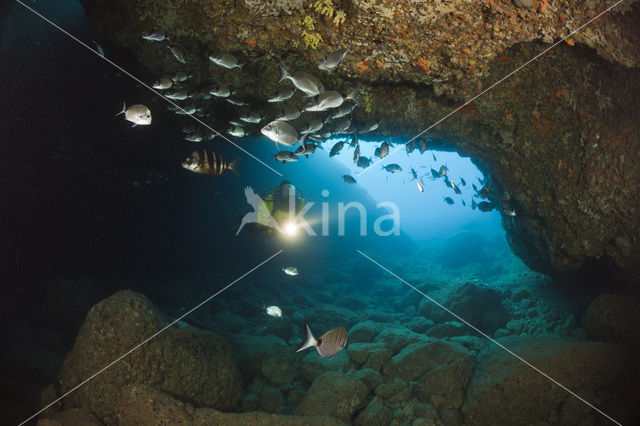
445, 230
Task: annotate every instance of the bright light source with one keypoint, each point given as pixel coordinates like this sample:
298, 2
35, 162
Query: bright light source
290, 229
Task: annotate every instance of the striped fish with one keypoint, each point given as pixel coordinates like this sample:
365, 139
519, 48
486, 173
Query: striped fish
329, 344
209, 163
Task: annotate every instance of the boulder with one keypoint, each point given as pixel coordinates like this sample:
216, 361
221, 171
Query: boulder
614, 318
504, 390
143, 405
377, 358
448, 329
364, 332
396, 338
369, 377
418, 358
335, 395
72, 417
444, 385
189, 363
360, 352
479, 305
249, 402
259, 354
374, 414
271, 399
313, 365
280, 368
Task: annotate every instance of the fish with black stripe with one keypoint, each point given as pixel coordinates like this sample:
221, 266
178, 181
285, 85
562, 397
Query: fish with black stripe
329, 344
208, 163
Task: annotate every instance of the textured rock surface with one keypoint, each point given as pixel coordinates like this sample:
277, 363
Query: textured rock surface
143, 405
191, 364
562, 143
334, 395
614, 318
418, 358
598, 372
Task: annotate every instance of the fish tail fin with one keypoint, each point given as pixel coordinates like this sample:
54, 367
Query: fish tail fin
124, 108
309, 340
233, 166
353, 95
283, 74
241, 66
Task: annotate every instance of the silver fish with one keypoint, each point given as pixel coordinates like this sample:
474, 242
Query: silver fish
237, 131
422, 145
356, 154
177, 95
420, 185
384, 149
226, 60
306, 149
312, 126
137, 114
99, 48
333, 59
344, 109
283, 94
194, 137
349, 179
163, 83
251, 117
410, 146
157, 35
180, 76
280, 132
342, 125
274, 311
335, 150
370, 127
329, 344
303, 81
288, 113
219, 91
236, 102
325, 101
189, 108
392, 168
285, 156
290, 270
178, 53
363, 162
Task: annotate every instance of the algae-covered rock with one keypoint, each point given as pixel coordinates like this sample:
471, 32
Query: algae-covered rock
360, 352
374, 414
504, 390
369, 377
444, 385
614, 318
142, 405
189, 363
364, 332
313, 365
396, 338
418, 358
335, 395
